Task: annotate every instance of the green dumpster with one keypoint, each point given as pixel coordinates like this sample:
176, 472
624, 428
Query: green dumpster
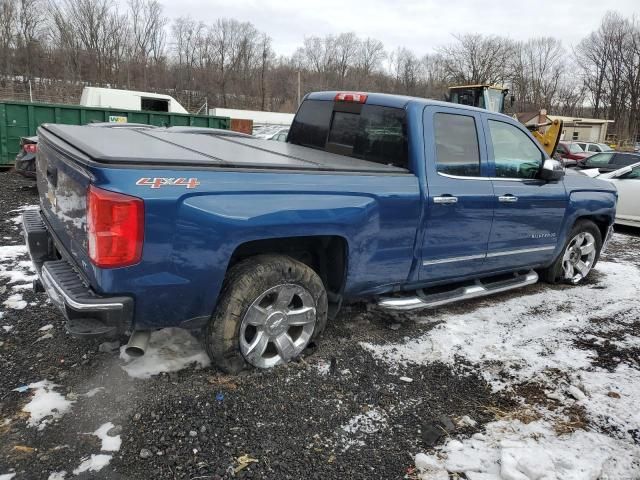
21, 119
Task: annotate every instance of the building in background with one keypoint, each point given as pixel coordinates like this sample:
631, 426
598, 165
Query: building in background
575, 129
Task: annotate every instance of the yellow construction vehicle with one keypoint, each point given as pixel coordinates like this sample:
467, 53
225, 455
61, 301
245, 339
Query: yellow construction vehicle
491, 97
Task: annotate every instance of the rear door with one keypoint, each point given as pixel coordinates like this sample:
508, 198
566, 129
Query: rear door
528, 212
620, 160
459, 203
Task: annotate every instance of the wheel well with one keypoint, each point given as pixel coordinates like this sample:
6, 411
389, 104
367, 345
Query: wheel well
601, 221
326, 255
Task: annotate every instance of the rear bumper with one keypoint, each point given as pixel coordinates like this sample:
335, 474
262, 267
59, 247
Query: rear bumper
86, 312
26, 165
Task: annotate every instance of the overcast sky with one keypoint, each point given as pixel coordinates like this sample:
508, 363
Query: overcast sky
417, 24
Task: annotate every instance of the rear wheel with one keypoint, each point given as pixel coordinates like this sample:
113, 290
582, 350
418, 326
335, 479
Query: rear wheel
579, 256
270, 309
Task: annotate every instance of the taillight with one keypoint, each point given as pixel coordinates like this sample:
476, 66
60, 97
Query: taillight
115, 227
30, 147
351, 97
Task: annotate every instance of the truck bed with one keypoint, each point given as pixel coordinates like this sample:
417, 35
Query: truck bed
161, 148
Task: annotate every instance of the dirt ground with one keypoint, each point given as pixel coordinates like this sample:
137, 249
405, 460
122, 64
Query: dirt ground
340, 413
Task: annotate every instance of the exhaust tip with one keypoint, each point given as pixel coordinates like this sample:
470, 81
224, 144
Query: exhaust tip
137, 344
134, 352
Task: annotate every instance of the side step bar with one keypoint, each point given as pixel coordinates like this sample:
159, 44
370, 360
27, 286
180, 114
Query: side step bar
422, 299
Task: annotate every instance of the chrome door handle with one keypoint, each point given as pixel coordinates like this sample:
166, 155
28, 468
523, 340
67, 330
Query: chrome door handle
507, 198
447, 199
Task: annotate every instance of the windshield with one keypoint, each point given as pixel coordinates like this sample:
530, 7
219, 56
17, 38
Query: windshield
575, 148
605, 148
494, 100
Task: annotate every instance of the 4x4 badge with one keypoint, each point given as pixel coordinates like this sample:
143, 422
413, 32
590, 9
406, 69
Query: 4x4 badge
163, 181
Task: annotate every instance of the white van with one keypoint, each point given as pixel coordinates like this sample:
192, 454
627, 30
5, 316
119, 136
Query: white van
129, 100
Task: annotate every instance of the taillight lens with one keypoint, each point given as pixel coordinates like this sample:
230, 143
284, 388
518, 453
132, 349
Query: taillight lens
115, 227
30, 147
351, 97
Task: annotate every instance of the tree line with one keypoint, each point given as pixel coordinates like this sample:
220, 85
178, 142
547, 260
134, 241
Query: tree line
66, 44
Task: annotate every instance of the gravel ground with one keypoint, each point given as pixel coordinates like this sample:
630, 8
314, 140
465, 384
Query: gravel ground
340, 413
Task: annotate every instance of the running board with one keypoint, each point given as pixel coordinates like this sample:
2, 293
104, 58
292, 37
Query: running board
421, 299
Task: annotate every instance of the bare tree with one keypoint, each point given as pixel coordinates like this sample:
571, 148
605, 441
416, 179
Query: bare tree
369, 56
538, 68
475, 59
8, 15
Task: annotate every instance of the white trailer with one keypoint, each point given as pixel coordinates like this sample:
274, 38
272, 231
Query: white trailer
129, 100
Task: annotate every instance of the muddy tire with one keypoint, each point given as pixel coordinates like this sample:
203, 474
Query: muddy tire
578, 257
270, 309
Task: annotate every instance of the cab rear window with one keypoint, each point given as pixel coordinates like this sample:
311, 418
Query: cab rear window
368, 132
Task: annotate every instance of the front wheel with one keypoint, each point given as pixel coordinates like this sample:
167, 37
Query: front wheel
270, 309
580, 254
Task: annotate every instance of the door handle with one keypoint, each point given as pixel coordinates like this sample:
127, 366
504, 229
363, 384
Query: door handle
445, 199
508, 198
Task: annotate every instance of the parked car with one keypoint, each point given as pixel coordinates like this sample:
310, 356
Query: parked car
25, 163
627, 182
608, 162
280, 136
259, 243
571, 153
594, 147
208, 131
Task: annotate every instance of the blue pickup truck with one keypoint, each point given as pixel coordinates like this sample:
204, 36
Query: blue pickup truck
408, 202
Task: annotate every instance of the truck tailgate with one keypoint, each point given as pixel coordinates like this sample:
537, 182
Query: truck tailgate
62, 187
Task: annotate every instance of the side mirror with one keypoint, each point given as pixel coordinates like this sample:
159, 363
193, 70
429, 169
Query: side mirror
551, 170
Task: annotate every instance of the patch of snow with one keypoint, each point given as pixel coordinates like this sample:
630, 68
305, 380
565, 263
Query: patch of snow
541, 336
10, 252
46, 404
7, 328
324, 367
46, 336
57, 475
524, 335
109, 444
371, 421
15, 301
7, 476
46, 327
23, 286
169, 350
95, 463
512, 450
16, 276
93, 392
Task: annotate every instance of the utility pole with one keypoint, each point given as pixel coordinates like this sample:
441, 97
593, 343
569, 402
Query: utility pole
298, 88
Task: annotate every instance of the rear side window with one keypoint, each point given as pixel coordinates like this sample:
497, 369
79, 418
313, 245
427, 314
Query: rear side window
599, 160
368, 132
625, 160
311, 124
457, 151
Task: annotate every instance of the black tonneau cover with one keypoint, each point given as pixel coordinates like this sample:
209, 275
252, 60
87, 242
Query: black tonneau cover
157, 147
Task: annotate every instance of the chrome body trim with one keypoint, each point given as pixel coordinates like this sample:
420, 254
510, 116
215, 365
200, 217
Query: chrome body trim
522, 250
509, 179
438, 261
453, 259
